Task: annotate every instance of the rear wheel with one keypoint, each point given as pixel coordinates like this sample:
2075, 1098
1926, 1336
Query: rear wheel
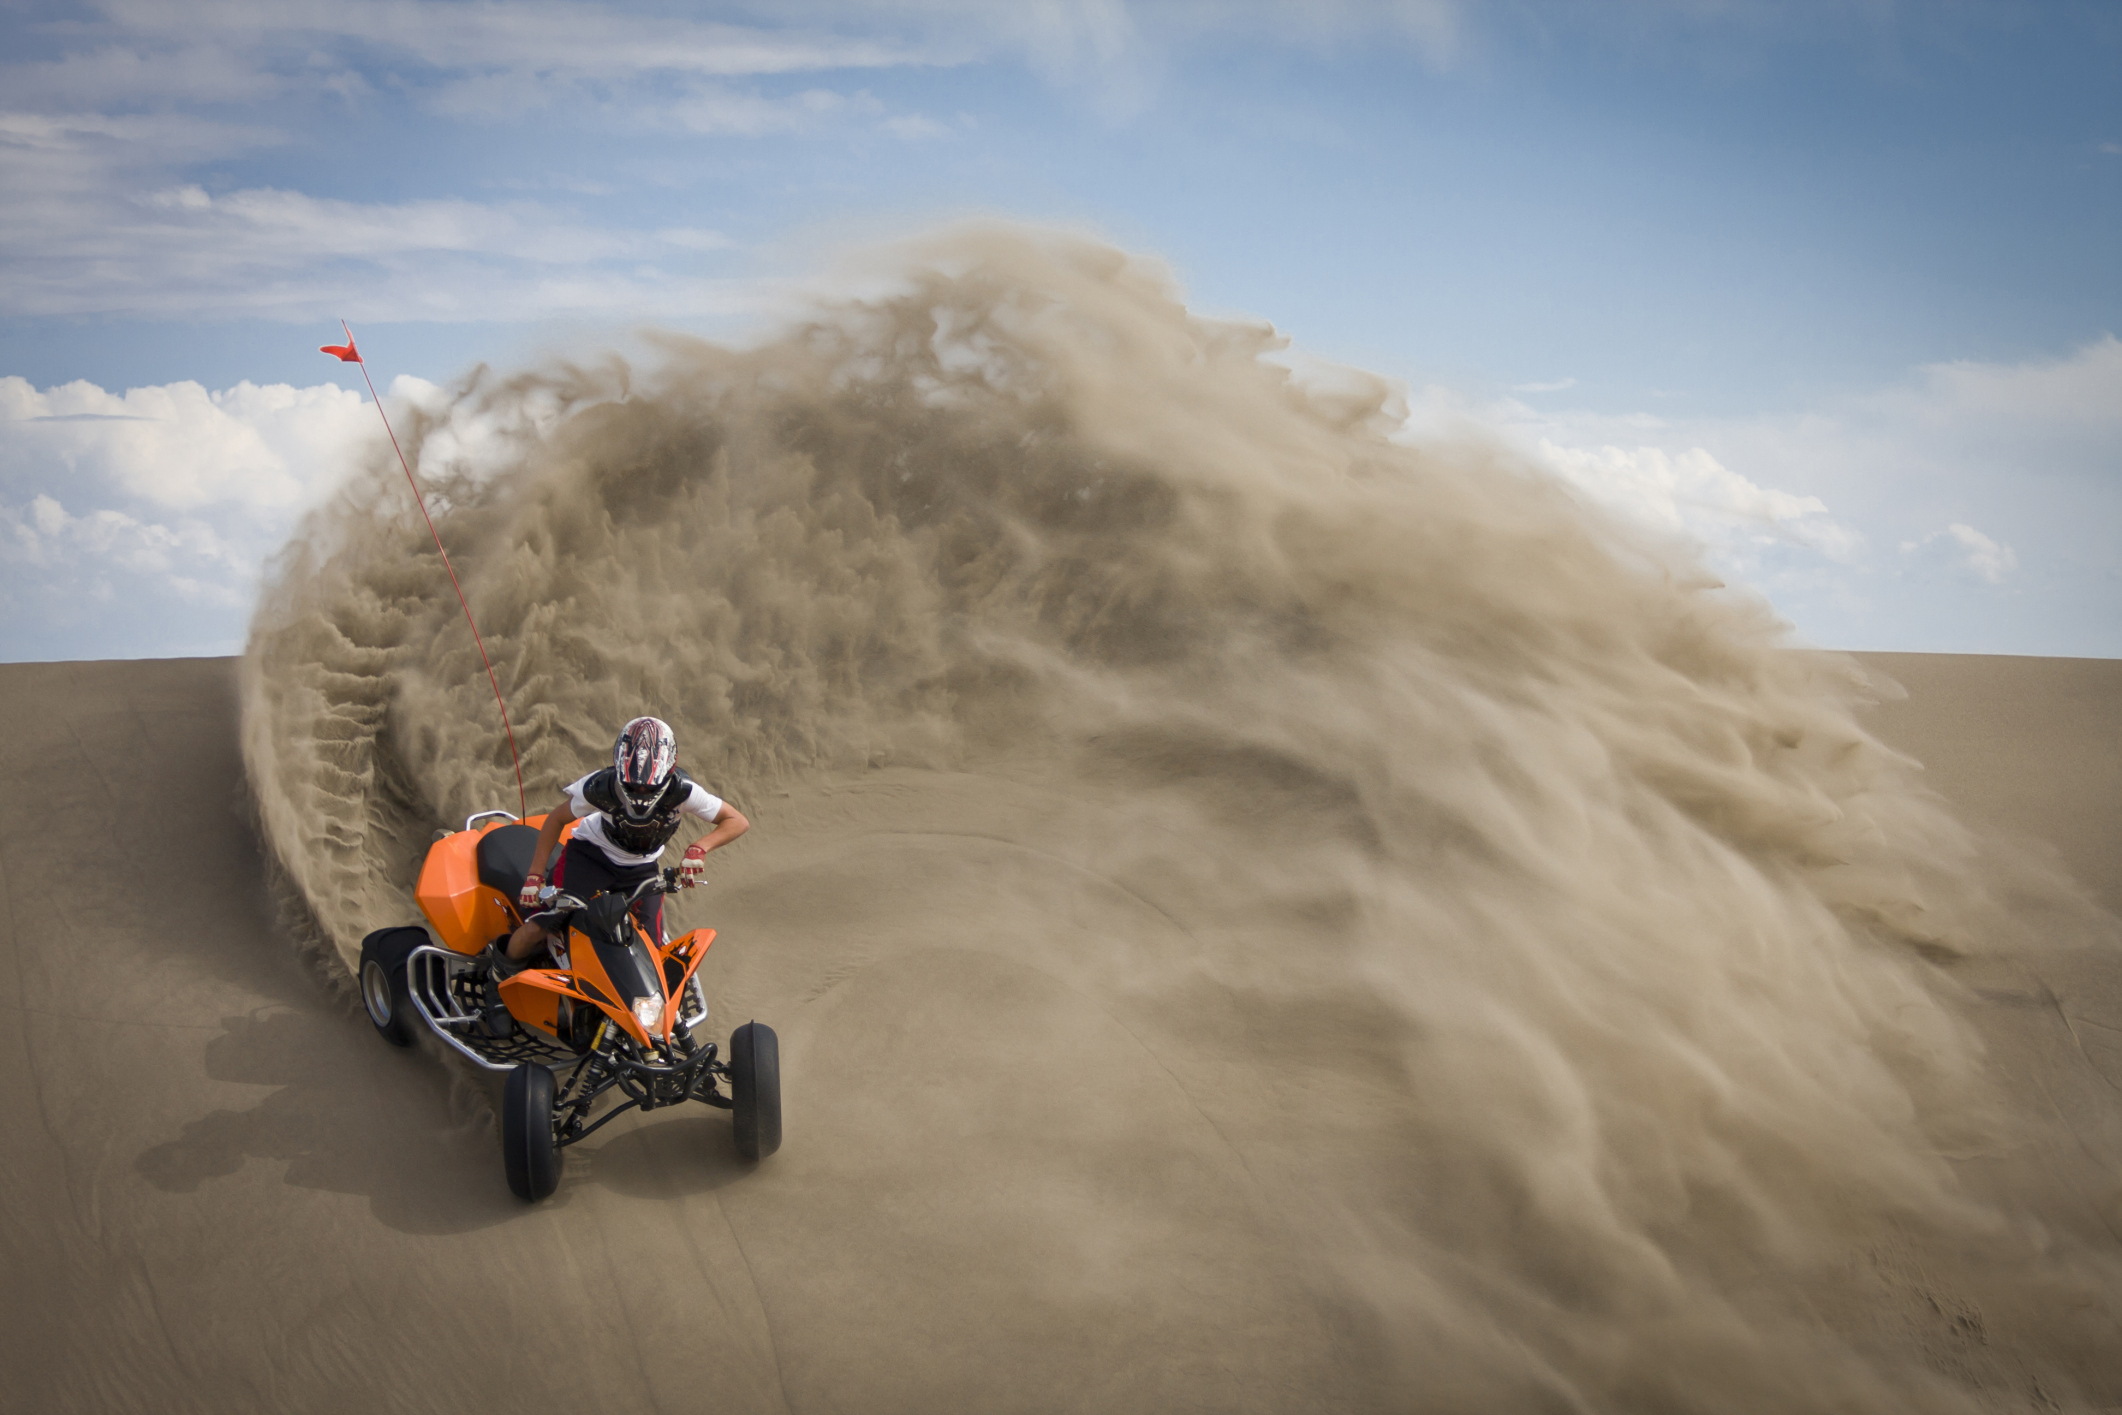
527, 1148
755, 1090
382, 978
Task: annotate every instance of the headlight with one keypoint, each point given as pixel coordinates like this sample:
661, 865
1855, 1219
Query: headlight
648, 1011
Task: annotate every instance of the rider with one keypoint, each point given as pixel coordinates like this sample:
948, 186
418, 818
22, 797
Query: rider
629, 812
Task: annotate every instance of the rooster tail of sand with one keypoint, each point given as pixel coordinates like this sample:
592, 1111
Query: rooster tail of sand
1601, 940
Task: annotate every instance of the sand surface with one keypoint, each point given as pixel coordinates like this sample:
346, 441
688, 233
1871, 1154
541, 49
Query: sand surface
223, 1192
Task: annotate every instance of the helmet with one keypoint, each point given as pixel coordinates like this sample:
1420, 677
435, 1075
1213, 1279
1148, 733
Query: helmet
644, 757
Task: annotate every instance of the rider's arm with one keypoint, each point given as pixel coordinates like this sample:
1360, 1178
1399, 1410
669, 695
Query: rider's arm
549, 834
729, 824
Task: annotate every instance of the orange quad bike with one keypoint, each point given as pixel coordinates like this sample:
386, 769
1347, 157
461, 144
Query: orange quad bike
617, 1011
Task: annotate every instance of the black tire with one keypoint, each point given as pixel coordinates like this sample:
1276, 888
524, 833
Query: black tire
382, 982
527, 1148
755, 1090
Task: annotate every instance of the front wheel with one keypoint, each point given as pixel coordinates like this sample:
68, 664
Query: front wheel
382, 977
755, 1090
527, 1148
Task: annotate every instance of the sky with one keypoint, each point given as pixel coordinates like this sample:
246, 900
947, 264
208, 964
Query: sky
1830, 289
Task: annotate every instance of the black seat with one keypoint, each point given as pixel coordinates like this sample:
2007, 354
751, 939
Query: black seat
504, 856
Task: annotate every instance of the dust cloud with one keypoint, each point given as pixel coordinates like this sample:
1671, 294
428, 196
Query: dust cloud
1571, 971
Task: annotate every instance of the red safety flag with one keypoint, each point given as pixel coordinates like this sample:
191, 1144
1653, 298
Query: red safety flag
347, 353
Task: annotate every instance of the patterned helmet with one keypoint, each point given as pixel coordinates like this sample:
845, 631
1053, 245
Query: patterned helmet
645, 755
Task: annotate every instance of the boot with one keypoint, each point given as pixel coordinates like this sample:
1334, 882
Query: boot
496, 966
493, 960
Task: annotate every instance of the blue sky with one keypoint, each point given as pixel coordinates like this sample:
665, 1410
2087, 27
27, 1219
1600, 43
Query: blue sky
1829, 288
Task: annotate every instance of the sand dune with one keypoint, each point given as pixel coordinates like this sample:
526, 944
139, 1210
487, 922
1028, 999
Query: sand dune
224, 1193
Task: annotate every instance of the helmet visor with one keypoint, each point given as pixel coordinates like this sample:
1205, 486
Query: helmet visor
638, 799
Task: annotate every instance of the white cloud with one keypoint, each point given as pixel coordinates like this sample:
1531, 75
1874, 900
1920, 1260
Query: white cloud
913, 127
112, 210
1987, 559
147, 513
1634, 464
156, 502
93, 241
501, 61
113, 67
1071, 37
1691, 493
269, 225
708, 108
751, 115
2082, 390
1556, 387
47, 536
1434, 29
178, 445
163, 135
1995, 481
106, 582
230, 51
693, 238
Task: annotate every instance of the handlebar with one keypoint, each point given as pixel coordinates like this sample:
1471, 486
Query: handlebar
552, 901
664, 883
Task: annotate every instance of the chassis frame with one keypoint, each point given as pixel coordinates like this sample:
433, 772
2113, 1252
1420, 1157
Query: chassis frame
443, 987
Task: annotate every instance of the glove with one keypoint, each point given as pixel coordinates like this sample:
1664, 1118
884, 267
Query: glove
532, 883
692, 866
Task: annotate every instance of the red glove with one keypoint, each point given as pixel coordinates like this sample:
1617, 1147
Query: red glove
532, 883
692, 866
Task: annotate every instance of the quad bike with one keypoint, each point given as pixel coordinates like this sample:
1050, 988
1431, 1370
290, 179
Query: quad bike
617, 1011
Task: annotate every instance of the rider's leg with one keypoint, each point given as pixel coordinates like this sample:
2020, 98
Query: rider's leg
529, 936
525, 941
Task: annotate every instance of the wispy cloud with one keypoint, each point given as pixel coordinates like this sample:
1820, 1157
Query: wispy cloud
2081, 390
177, 445
1691, 493
721, 111
1751, 529
185, 558
206, 47
262, 225
137, 521
2015, 459
141, 517
1435, 29
118, 205
162, 137
89, 240
1556, 387
486, 60
1988, 560
111, 66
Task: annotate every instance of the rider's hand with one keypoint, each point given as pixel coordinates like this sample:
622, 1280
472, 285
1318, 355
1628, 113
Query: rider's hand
692, 866
532, 883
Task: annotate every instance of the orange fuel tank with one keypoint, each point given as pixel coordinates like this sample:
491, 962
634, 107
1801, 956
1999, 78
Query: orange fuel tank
468, 913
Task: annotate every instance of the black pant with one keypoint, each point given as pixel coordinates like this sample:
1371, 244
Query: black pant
584, 870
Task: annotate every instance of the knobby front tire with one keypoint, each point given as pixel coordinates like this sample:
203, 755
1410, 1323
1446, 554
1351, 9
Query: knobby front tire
755, 1090
527, 1148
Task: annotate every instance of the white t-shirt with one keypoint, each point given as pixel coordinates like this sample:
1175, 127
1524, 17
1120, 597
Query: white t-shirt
702, 803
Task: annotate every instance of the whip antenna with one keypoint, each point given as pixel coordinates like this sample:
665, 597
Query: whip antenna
347, 353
